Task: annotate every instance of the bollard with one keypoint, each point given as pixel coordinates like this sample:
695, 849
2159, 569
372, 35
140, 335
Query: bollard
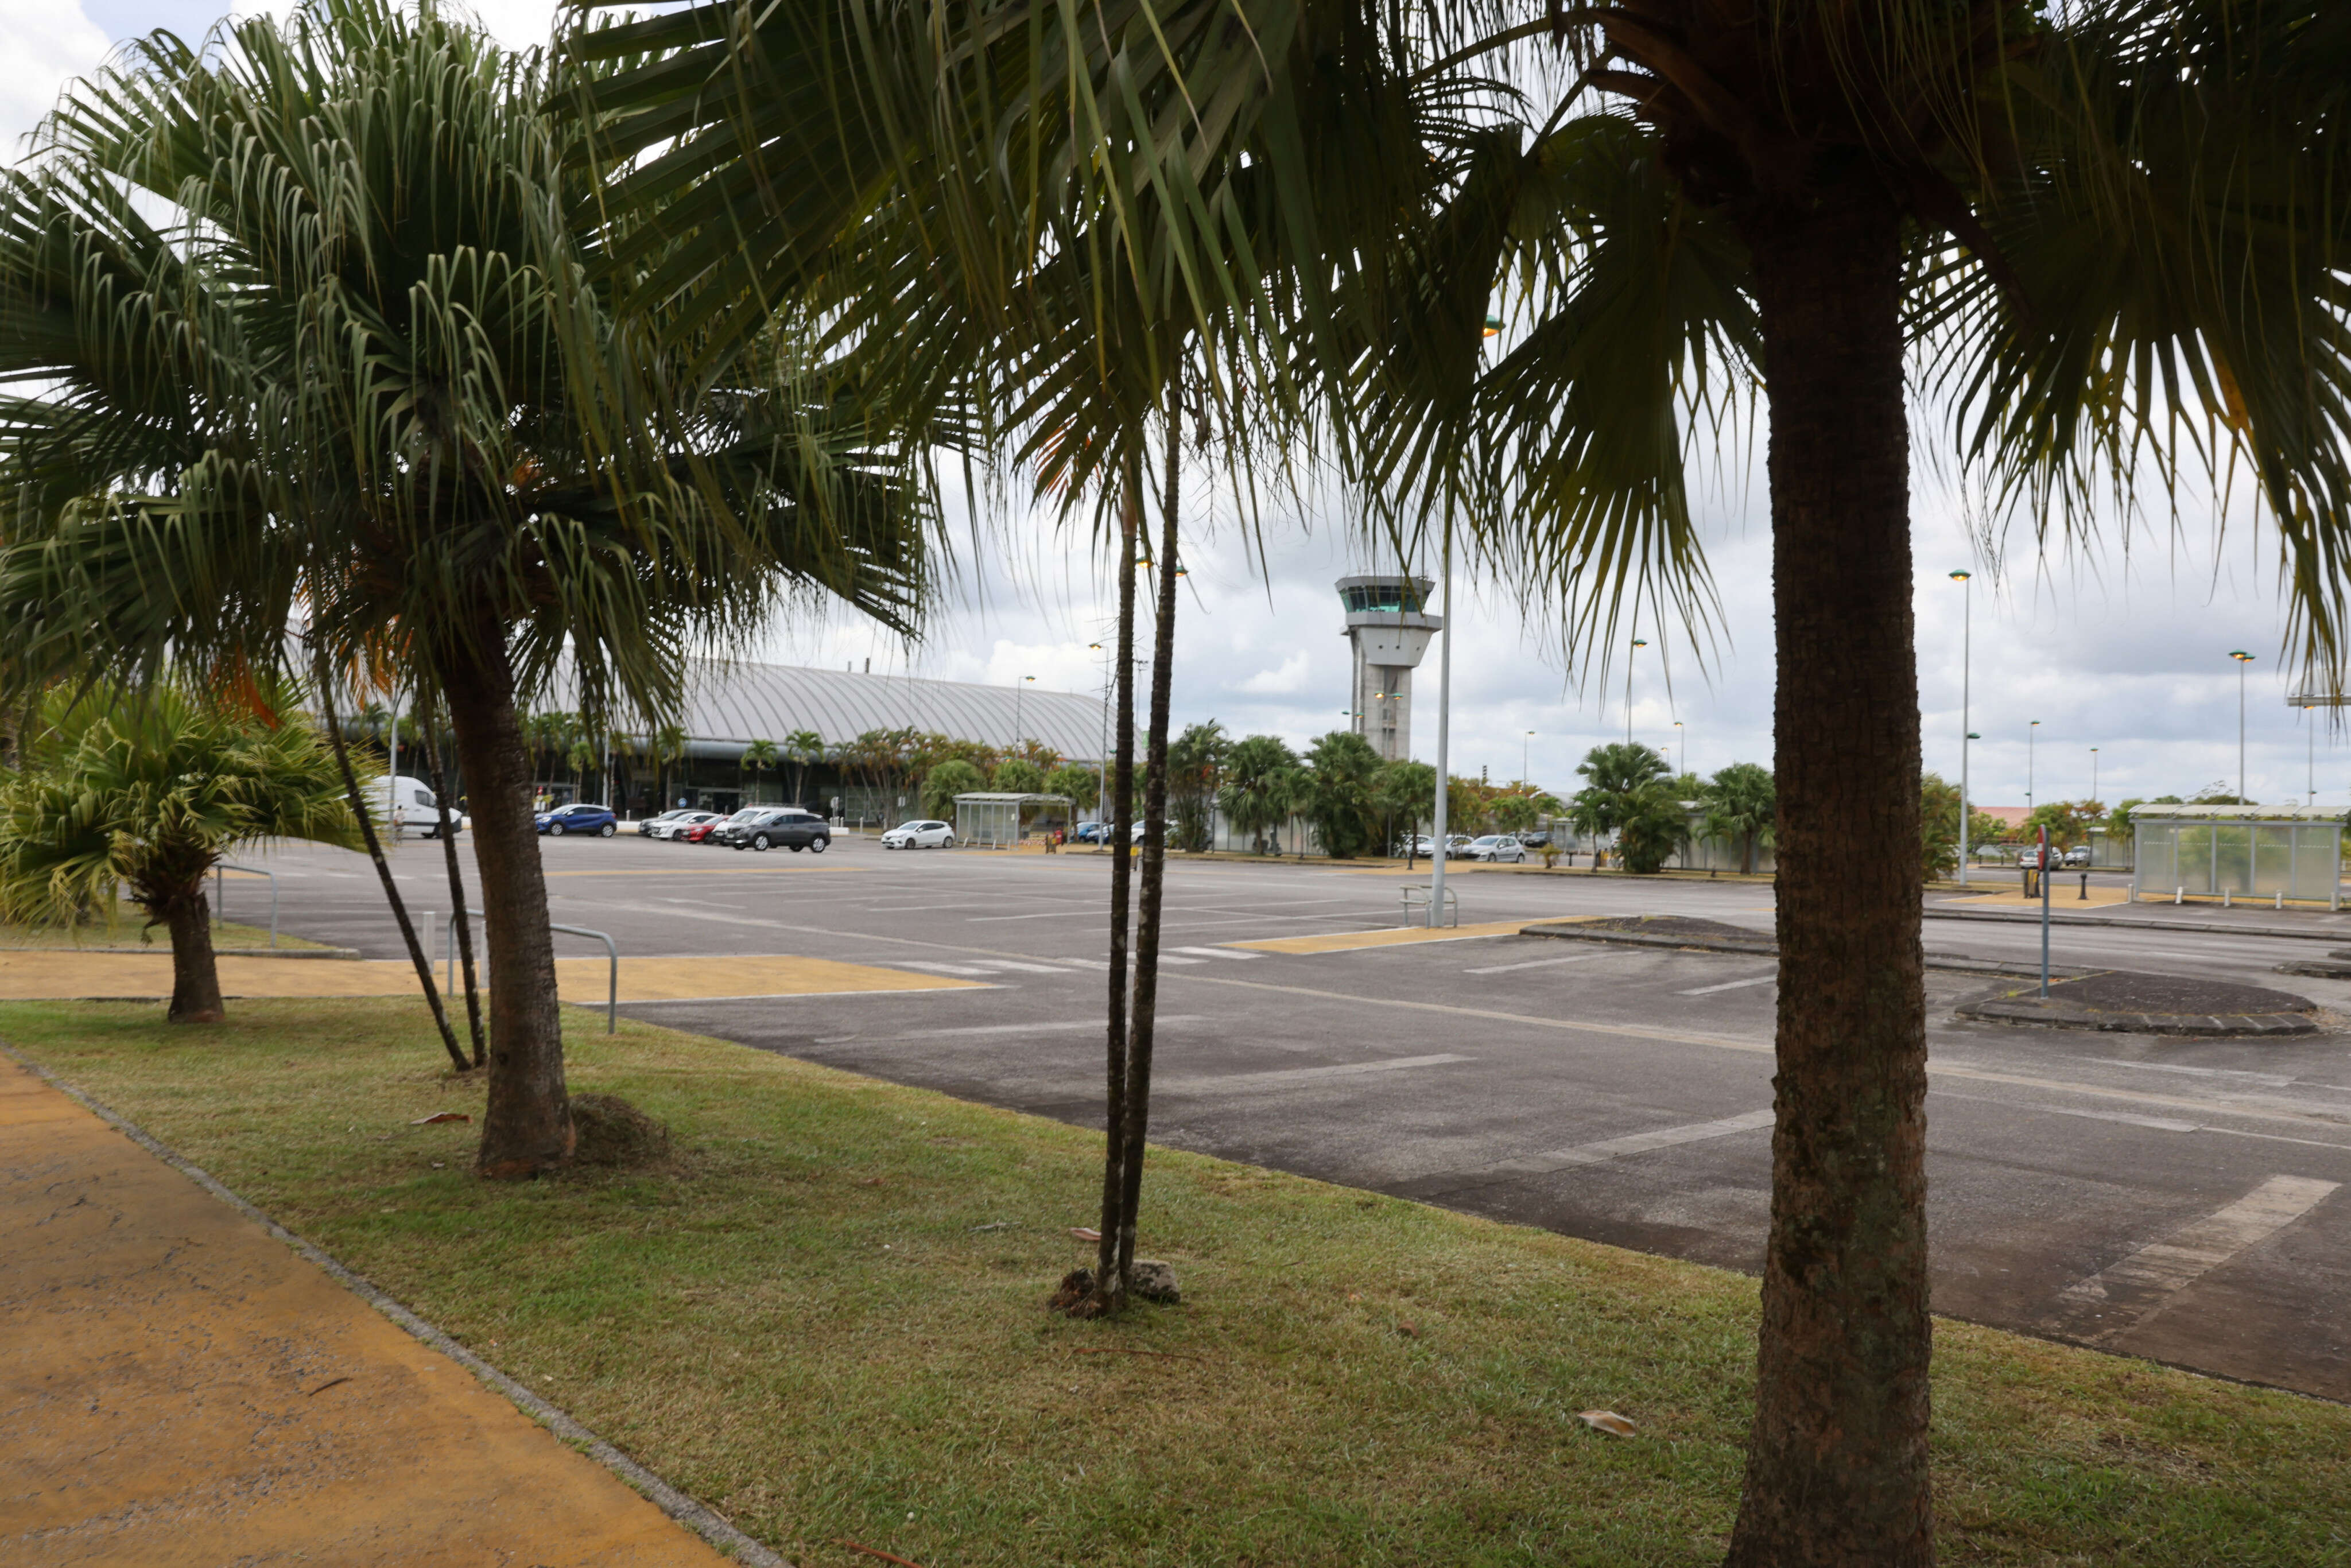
2224, 899
2085, 887
2178, 894
2280, 898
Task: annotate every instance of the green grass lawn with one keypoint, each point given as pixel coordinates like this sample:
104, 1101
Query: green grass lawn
825, 1320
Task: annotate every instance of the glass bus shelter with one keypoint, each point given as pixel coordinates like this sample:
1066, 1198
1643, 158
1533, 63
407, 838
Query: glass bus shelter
2254, 852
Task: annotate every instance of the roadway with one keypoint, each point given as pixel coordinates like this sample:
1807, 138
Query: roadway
2173, 1198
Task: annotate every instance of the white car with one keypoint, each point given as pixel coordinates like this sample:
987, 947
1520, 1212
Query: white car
650, 827
919, 836
669, 824
1497, 846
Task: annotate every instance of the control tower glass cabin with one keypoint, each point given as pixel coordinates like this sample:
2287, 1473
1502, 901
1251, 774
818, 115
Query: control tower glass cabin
1388, 628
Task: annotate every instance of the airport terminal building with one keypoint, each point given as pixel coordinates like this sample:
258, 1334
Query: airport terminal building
732, 704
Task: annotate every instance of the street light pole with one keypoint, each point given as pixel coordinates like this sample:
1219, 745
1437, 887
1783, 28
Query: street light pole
1526, 749
2242, 659
1967, 635
2032, 733
1681, 740
2310, 756
1444, 725
1023, 684
2093, 773
1102, 764
1637, 646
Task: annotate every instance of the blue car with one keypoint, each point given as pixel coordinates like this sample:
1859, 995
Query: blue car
578, 818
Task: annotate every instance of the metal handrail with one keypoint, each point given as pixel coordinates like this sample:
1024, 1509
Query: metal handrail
220, 885
1451, 905
611, 951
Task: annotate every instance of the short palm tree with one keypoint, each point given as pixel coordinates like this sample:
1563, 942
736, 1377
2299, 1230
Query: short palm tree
145, 792
667, 748
760, 756
323, 349
1254, 796
1742, 806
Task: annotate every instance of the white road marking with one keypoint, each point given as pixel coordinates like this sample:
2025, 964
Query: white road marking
2266, 1080
1218, 952
974, 1030
2159, 1270
1633, 1144
1731, 985
1539, 964
1283, 1076
986, 964
1048, 915
957, 969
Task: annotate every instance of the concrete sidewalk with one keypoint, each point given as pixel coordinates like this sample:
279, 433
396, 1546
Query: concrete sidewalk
179, 1386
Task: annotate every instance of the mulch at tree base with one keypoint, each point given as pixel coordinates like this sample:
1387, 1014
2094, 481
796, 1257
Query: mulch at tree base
2128, 1001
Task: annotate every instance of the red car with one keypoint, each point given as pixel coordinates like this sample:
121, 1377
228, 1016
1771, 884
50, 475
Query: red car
699, 832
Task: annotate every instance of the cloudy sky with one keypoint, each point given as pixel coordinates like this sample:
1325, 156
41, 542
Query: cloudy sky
2124, 650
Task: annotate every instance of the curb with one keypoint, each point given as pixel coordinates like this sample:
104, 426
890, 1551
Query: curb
703, 1521
2205, 1025
1948, 962
2204, 928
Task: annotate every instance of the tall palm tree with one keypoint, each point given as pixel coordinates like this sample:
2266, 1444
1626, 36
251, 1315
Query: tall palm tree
805, 748
2110, 236
316, 303
668, 743
758, 756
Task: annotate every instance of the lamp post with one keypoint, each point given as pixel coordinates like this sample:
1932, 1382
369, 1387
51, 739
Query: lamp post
1681, 743
1443, 726
1526, 749
2093, 773
1637, 646
1966, 660
2242, 659
2032, 732
2310, 756
1101, 763
1025, 681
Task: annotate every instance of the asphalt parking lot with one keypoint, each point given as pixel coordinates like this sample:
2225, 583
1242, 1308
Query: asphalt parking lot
2173, 1198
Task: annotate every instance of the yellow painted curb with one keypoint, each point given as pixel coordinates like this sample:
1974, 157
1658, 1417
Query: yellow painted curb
1350, 941
2059, 898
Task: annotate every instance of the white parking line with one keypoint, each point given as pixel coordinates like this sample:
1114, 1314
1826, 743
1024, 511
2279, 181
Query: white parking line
982, 1030
2161, 1270
1539, 964
964, 970
1016, 964
1216, 953
1282, 1076
1731, 985
1633, 1144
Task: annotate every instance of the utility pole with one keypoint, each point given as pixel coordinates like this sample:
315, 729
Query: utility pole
1967, 651
2242, 659
1637, 646
1443, 726
2032, 732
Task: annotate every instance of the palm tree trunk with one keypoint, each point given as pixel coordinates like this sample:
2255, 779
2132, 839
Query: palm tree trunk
1110, 1284
195, 973
462, 922
1836, 1467
526, 1126
416, 955
1154, 877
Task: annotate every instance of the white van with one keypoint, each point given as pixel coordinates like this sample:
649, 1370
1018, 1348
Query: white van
420, 814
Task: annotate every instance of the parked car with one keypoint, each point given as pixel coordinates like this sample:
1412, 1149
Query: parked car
919, 835
764, 828
1497, 846
1533, 839
1090, 834
650, 827
697, 832
674, 824
2077, 858
579, 817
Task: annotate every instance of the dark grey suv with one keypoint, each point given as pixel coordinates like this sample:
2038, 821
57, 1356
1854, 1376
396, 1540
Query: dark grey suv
780, 827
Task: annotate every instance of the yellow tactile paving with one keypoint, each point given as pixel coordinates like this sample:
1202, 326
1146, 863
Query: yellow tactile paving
45, 977
1348, 941
183, 1388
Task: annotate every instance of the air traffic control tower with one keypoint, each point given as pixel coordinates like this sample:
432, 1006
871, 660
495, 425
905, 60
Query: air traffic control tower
1388, 628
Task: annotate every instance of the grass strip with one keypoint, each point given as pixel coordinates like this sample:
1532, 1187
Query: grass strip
823, 1317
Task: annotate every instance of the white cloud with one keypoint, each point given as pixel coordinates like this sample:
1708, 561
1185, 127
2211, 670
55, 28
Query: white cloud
49, 43
1287, 681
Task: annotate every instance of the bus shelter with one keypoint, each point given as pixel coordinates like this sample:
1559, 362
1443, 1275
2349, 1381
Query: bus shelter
2228, 853
995, 819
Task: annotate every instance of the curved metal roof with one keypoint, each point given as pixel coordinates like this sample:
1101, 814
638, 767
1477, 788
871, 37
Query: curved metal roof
730, 704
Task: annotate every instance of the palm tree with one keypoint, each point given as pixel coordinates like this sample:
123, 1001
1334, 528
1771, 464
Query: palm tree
1254, 798
352, 357
2110, 236
804, 746
1741, 805
147, 792
668, 741
758, 756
